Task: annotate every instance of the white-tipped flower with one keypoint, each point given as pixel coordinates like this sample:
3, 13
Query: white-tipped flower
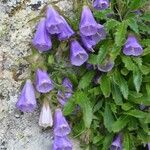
46, 119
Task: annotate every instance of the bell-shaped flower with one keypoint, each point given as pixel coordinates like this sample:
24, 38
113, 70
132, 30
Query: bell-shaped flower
54, 22
148, 146
45, 119
116, 144
132, 47
43, 82
27, 101
42, 40
78, 55
106, 66
63, 96
101, 4
62, 143
61, 127
67, 32
90, 41
88, 25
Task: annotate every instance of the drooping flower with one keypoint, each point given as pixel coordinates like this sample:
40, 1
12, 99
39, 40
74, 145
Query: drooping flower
148, 146
90, 41
132, 47
78, 55
67, 32
45, 119
43, 82
116, 144
54, 22
42, 40
101, 4
27, 100
106, 66
88, 25
68, 89
61, 127
62, 143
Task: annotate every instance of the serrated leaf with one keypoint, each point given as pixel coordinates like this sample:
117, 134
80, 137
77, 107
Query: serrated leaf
108, 117
105, 85
120, 35
116, 94
107, 141
145, 42
145, 69
135, 4
86, 80
92, 59
133, 25
127, 106
83, 101
69, 107
126, 141
120, 123
136, 113
137, 79
144, 137
122, 83
111, 24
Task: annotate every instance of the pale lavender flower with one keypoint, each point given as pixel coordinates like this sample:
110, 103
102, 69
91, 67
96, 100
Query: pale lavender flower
132, 47
90, 41
62, 143
88, 25
27, 100
45, 119
78, 55
68, 89
148, 146
101, 4
67, 32
106, 66
54, 22
142, 107
116, 144
42, 40
43, 82
61, 127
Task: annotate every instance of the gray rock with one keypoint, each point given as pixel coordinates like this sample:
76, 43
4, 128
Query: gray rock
20, 131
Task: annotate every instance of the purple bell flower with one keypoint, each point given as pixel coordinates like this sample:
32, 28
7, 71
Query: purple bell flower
67, 32
43, 82
116, 144
78, 55
42, 40
64, 96
88, 25
106, 66
61, 127
62, 143
90, 41
54, 22
148, 146
132, 47
101, 4
27, 100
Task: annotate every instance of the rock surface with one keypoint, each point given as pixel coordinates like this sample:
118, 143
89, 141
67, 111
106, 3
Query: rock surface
20, 131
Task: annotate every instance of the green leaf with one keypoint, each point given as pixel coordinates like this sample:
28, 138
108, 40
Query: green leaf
145, 69
120, 35
126, 141
144, 137
116, 94
136, 113
108, 117
128, 62
133, 25
92, 59
137, 79
105, 85
50, 59
120, 123
107, 141
145, 42
135, 4
86, 80
83, 101
69, 107
122, 83
127, 106
111, 24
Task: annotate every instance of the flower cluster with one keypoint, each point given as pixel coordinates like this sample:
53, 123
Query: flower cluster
91, 33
